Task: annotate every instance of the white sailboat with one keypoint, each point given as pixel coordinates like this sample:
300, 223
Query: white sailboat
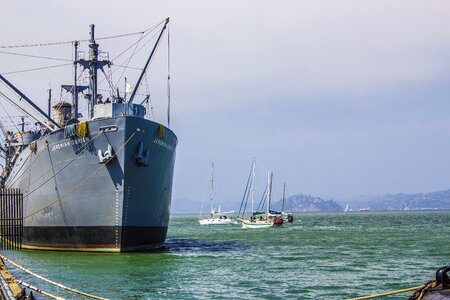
216, 216
260, 219
346, 208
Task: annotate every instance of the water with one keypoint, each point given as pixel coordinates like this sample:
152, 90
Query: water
319, 256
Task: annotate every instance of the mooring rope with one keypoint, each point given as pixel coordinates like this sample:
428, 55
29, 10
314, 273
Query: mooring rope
20, 168
63, 160
50, 281
393, 292
14, 179
36, 289
83, 181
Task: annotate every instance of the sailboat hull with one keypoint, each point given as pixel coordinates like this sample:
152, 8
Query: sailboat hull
217, 221
73, 201
256, 225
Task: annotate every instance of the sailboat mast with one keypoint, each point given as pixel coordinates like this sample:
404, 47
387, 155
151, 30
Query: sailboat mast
211, 191
284, 194
253, 184
269, 191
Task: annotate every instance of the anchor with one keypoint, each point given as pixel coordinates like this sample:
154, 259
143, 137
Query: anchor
105, 157
142, 157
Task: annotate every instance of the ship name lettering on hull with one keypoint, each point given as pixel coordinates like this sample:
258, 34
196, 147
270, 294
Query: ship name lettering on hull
73, 142
163, 144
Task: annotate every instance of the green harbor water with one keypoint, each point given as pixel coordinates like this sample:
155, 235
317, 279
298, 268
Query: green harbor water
318, 256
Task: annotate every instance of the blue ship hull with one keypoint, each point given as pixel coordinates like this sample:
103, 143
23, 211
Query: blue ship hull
73, 201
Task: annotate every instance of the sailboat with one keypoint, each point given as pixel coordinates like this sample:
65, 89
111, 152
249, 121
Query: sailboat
216, 217
346, 208
287, 217
260, 219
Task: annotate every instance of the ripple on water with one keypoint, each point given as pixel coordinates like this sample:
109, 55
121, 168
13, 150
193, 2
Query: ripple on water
325, 256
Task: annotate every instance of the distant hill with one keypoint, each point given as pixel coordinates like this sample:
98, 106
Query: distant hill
389, 202
422, 201
308, 203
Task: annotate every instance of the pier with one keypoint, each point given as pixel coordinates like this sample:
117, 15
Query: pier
9, 289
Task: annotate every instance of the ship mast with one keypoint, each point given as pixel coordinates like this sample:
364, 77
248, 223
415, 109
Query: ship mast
75, 87
93, 56
93, 64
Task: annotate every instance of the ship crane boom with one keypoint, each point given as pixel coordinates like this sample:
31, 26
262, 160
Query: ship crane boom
50, 124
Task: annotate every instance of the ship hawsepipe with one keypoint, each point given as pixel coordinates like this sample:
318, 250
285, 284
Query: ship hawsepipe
75, 201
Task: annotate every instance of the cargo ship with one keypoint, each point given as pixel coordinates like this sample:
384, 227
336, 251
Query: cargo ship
98, 183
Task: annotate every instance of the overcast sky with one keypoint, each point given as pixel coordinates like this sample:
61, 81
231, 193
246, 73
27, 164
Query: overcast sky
337, 98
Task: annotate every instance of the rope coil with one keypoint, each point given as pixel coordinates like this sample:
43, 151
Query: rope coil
420, 288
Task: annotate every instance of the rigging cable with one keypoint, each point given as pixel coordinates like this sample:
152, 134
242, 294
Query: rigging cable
203, 199
9, 116
129, 59
37, 69
69, 42
245, 197
150, 30
35, 56
145, 44
14, 178
126, 66
24, 110
261, 203
136, 50
107, 80
86, 179
82, 148
146, 32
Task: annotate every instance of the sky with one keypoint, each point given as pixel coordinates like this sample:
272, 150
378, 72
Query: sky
336, 98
